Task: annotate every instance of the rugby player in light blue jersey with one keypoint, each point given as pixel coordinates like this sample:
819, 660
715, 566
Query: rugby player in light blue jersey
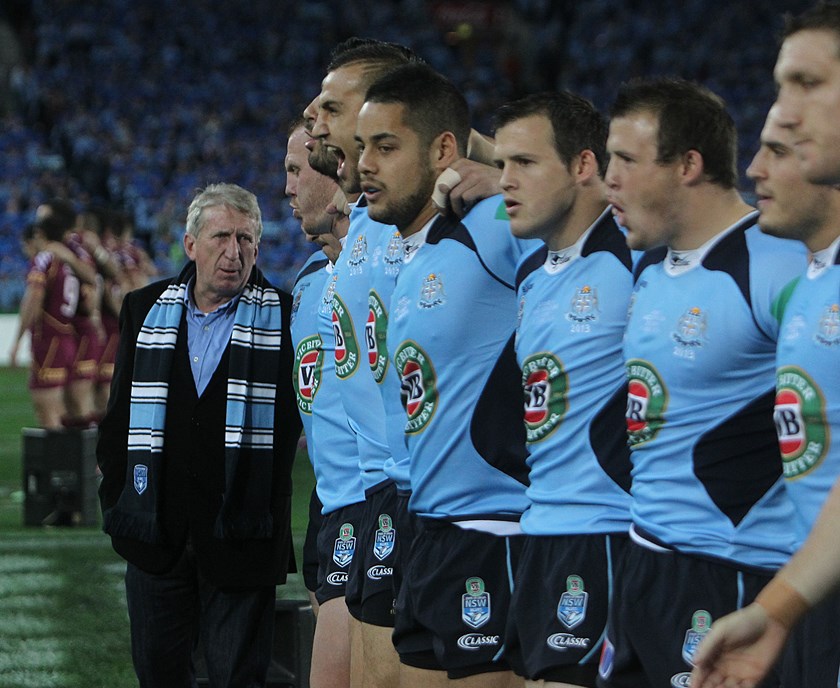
452, 317
330, 441
573, 293
711, 518
807, 422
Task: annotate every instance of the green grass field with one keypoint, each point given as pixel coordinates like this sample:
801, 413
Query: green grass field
63, 620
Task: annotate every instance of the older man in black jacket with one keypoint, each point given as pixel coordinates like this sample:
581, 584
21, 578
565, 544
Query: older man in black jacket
196, 452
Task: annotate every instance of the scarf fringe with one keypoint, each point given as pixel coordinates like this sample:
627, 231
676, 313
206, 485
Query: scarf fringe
136, 526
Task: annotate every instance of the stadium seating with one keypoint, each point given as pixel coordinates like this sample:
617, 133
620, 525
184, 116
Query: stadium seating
138, 104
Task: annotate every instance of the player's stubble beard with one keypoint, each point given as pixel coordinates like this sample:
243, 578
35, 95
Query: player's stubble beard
402, 212
323, 160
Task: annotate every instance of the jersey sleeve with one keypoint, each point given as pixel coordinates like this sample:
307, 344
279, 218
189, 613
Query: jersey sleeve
774, 264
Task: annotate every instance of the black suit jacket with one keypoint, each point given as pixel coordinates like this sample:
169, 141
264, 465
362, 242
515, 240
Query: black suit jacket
193, 476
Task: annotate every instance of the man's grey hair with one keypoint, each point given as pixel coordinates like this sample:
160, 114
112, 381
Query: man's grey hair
230, 195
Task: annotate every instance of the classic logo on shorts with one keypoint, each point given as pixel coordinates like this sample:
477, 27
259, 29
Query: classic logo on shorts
546, 385
393, 254
475, 604
345, 545
584, 306
828, 333
378, 572
307, 375
475, 641
376, 332
690, 333
141, 478
431, 293
418, 388
647, 399
571, 610
337, 578
566, 641
701, 622
346, 348
358, 255
799, 415
681, 680
384, 538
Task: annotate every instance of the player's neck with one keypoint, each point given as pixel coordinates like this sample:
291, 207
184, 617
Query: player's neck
421, 220
583, 213
707, 214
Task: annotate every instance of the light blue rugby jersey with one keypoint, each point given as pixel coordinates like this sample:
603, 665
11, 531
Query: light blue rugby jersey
808, 387
350, 310
450, 337
572, 315
331, 442
700, 355
386, 264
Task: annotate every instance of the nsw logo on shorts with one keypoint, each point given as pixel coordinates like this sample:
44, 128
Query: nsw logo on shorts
571, 610
384, 538
701, 622
475, 604
345, 546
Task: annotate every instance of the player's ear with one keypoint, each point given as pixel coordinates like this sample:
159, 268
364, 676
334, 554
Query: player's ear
692, 167
584, 166
444, 150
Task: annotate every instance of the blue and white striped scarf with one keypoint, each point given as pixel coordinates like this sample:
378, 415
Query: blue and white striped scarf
249, 423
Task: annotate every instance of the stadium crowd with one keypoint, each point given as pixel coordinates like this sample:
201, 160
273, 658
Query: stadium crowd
135, 105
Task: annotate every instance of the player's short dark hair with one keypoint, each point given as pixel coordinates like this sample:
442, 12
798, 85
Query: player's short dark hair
431, 103
61, 218
294, 124
690, 117
822, 16
378, 57
576, 123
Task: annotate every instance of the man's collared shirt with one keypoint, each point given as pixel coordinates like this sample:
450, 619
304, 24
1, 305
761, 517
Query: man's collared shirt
207, 336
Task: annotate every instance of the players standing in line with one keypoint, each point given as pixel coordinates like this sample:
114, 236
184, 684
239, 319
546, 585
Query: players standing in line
742, 647
331, 442
573, 295
449, 338
710, 513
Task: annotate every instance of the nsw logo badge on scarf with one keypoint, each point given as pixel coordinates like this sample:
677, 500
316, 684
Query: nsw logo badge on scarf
141, 478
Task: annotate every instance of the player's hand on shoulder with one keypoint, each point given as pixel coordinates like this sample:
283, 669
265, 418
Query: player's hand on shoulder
473, 182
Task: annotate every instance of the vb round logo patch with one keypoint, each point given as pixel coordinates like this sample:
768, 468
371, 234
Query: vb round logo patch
800, 421
307, 373
418, 386
346, 348
546, 387
647, 400
376, 332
